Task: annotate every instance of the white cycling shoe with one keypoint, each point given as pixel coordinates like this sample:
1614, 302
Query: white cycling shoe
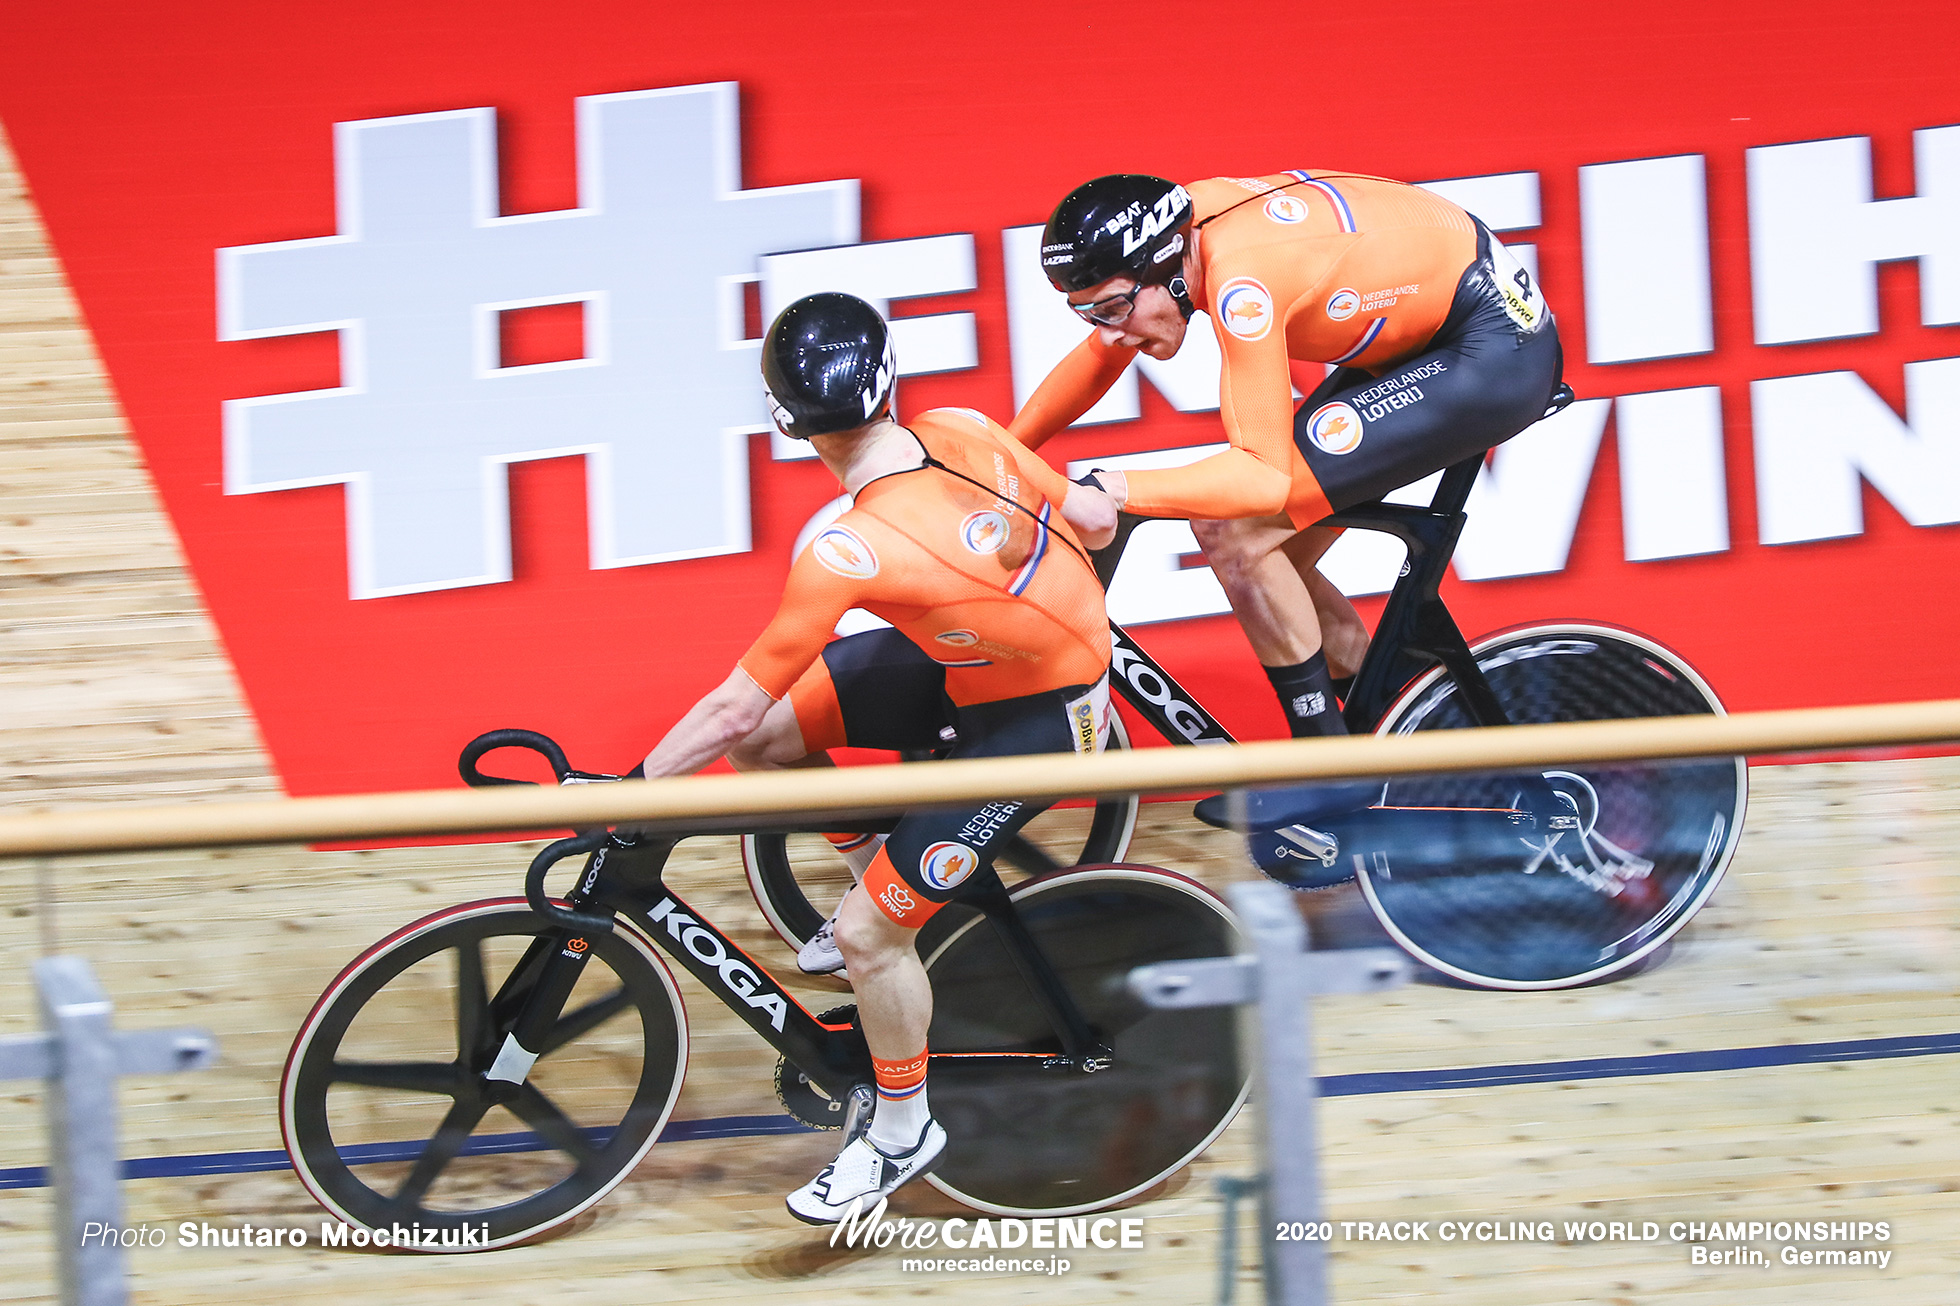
861, 1175
820, 955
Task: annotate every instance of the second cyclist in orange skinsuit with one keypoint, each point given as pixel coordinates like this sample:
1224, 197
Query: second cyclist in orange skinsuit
1441, 344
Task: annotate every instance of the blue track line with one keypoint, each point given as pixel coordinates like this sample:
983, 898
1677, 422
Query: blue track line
1386, 1081
1656, 1063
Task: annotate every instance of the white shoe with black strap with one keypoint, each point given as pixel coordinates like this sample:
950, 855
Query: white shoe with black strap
820, 956
861, 1175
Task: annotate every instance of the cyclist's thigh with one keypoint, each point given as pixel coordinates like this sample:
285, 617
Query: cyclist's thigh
1243, 540
1306, 548
935, 853
875, 689
1482, 383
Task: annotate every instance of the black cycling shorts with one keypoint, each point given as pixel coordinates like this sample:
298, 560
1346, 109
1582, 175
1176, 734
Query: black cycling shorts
889, 694
1483, 378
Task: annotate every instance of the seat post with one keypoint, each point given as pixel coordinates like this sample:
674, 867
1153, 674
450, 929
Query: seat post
1458, 480
1416, 630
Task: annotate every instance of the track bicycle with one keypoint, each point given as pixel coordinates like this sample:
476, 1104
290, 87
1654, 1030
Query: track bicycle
501, 1065
1515, 880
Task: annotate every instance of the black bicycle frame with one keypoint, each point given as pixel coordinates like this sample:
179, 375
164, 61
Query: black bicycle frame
624, 875
1416, 631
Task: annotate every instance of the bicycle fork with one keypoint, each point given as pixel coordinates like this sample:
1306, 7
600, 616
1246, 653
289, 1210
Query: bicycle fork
550, 970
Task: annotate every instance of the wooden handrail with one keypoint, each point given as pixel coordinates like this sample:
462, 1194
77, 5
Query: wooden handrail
723, 800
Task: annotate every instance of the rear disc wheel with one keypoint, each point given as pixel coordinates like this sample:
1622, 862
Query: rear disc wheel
1026, 1138
1652, 842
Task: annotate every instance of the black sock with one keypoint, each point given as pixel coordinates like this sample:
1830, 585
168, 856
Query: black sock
1306, 696
1343, 686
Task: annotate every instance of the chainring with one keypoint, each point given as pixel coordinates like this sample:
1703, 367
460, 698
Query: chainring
805, 1100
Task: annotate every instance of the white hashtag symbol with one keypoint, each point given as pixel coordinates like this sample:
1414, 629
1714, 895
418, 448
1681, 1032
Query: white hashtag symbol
426, 420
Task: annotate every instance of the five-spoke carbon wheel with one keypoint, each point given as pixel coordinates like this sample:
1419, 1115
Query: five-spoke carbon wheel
390, 1120
798, 879
1651, 839
1028, 1137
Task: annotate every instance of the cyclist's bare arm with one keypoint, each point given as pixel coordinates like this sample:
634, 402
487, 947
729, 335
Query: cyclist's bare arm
723, 718
813, 600
776, 744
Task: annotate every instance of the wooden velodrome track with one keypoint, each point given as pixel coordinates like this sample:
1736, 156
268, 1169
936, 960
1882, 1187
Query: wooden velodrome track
1838, 923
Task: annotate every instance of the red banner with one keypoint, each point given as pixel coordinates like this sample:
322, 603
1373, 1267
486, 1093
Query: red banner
433, 321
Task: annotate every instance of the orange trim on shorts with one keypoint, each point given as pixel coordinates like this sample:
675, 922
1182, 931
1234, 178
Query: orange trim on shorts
906, 906
1306, 503
819, 717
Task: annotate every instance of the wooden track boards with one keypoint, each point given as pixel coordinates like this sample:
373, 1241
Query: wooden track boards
1826, 931
112, 683
1838, 922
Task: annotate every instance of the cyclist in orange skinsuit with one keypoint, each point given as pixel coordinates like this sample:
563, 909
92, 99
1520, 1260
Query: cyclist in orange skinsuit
981, 579
1000, 644
1441, 343
1361, 274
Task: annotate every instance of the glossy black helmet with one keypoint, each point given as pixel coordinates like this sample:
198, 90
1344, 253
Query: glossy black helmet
1124, 225
827, 365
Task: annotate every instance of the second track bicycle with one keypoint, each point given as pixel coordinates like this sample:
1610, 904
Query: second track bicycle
1519, 880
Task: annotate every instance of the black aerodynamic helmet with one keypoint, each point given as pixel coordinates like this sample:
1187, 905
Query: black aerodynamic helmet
827, 365
1126, 224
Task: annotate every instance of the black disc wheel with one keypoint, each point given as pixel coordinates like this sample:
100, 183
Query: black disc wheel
1644, 846
388, 1115
1029, 1137
798, 879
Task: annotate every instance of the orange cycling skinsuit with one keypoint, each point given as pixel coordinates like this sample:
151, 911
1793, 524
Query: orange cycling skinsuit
1443, 344
1000, 642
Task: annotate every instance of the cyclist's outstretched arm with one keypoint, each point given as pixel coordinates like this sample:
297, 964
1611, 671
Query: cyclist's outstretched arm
1255, 476
1082, 377
813, 600
725, 717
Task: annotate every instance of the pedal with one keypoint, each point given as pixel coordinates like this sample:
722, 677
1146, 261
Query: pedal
857, 1111
1312, 842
